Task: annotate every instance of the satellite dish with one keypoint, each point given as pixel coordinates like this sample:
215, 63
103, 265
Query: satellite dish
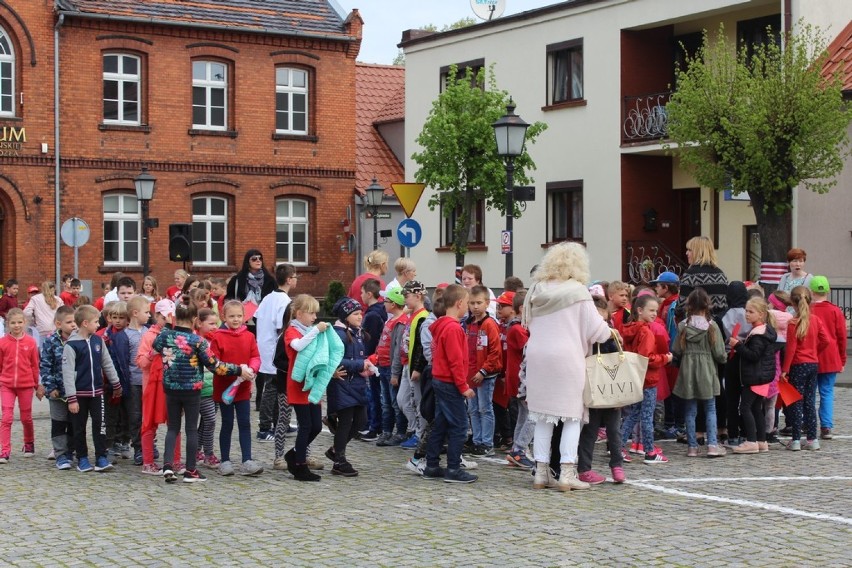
488, 9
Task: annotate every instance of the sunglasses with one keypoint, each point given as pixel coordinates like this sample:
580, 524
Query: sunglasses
256, 258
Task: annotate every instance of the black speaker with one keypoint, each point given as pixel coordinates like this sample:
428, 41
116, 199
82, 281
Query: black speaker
180, 242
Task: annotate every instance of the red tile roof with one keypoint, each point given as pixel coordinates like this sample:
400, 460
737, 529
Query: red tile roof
379, 97
840, 57
290, 17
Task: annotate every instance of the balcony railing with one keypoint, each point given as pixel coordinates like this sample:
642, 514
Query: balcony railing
644, 118
647, 259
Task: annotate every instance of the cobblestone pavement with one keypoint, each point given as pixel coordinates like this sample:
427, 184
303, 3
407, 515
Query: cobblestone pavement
780, 509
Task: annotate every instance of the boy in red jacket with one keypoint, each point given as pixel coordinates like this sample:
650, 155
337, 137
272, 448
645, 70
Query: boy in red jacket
485, 362
449, 382
832, 359
516, 340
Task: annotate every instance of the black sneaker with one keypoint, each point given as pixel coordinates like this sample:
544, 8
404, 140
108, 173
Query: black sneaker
331, 423
169, 473
193, 476
772, 438
370, 436
345, 469
787, 431
434, 473
459, 476
329, 453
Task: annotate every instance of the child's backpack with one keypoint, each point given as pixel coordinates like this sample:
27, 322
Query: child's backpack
671, 324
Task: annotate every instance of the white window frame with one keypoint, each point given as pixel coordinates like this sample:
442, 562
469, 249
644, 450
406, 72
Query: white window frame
123, 78
291, 92
209, 219
121, 217
7, 59
291, 220
209, 85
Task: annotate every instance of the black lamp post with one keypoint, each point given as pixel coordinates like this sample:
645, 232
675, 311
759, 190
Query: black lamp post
510, 131
374, 194
145, 184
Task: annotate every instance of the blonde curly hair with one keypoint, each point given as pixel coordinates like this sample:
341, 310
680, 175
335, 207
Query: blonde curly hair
564, 261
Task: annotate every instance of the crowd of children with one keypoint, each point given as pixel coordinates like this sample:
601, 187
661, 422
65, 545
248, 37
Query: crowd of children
448, 378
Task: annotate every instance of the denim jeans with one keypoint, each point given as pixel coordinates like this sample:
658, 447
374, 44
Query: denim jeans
242, 408
374, 404
450, 424
523, 428
691, 410
408, 398
482, 413
390, 408
825, 384
642, 412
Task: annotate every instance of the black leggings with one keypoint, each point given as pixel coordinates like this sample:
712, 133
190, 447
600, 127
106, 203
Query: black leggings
309, 417
349, 421
753, 416
186, 402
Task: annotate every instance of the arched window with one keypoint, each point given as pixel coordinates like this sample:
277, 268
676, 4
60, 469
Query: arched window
121, 229
291, 231
209, 95
209, 230
7, 75
122, 81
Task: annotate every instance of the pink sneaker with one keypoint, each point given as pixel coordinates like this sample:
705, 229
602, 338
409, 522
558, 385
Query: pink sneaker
151, 469
179, 468
636, 449
625, 457
211, 461
618, 475
199, 456
591, 477
601, 435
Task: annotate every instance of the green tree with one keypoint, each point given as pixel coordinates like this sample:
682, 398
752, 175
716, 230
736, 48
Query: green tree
463, 23
459, 160
761, 119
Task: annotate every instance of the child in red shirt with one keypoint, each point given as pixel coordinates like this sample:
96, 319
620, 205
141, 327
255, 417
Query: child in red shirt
485, 362
832, 359
516, 340
236, 344
449, 383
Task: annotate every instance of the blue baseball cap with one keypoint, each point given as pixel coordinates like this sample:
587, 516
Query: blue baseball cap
666, 278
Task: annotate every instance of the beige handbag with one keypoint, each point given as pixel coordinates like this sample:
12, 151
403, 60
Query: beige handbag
614, 380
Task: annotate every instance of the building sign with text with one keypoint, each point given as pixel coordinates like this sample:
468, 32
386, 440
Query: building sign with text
12, 141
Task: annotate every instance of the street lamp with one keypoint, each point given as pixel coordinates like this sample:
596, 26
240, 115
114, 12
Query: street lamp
374, 194
145, 184
509, 132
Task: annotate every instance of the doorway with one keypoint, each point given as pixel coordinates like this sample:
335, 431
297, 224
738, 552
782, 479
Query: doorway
690, 213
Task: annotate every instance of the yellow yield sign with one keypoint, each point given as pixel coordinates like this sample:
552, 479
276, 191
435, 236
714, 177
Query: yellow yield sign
408, 195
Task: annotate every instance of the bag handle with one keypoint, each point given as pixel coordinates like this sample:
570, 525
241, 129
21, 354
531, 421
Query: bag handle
617, 343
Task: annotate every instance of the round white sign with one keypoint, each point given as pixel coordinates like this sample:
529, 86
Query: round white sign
75, 232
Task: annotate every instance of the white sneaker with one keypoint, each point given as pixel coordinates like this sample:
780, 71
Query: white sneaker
251, 467
226, 468
416, 466
468, 464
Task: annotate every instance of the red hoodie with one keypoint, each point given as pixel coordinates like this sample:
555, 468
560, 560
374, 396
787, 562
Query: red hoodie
485, 351
804, 350
832, 359
449, 353
18, 362
235, 346
516, 339
639, 338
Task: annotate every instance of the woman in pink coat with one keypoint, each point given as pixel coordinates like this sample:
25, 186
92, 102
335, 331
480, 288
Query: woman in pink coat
563, 325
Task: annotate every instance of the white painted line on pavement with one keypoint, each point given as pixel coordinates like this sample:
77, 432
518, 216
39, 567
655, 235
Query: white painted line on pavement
722, 479
744, 503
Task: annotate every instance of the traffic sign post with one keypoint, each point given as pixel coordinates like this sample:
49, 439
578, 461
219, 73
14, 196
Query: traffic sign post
408, 195
506, 242
409, 233
75, 233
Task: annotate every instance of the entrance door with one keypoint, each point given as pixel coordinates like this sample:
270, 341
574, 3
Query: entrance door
690, 213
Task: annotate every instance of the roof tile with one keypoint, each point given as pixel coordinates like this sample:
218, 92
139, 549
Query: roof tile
302, 17
840, 57
378, 88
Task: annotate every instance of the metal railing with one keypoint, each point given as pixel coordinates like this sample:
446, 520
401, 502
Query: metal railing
644, 118
842, 298
646, 259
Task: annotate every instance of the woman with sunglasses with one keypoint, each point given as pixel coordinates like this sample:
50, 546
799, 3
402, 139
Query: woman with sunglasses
253, 282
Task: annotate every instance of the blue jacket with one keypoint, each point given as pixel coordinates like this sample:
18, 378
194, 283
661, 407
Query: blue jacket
119, 349
352, 390
374, 322
85, 361
50, 364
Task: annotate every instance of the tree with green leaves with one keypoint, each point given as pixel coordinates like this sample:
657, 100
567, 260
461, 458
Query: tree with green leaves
761, 119
459, 160
463, 23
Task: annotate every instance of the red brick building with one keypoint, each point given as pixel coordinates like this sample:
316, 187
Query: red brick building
243, 111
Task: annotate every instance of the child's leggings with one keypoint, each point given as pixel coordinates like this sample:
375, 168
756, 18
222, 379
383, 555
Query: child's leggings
283, 423
643, 412
753, 415
25, 404
309, 417
207, 424
803, 376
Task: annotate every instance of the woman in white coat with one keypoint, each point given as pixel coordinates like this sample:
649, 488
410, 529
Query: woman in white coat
563, 325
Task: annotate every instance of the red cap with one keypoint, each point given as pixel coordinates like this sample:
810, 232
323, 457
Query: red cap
441, 285
33, 289
506, 299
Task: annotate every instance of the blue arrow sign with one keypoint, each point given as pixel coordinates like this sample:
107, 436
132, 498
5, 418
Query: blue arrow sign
409, 233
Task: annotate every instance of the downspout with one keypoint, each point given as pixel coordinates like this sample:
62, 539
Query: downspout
57, 186
786, 27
